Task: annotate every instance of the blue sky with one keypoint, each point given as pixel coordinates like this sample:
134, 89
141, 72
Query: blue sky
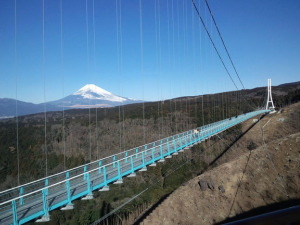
174, 58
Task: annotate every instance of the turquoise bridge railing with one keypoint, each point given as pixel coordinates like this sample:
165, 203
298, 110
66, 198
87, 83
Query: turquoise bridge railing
36, 199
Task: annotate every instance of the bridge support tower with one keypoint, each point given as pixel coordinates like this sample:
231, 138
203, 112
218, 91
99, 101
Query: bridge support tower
270, 99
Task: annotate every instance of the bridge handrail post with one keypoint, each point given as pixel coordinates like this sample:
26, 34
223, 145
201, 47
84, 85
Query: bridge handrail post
191, 138
180, 141
45, 202
20, 194
68, 187
168, 145
104, 176
143, 159
86, 177
132, 164
88, 182
145, 150
15, 212
152, 153
186, 141
114, 159
119, 170
99, 165
215, 129
161, 151
199, 135
174, 144
136, 152
84, 170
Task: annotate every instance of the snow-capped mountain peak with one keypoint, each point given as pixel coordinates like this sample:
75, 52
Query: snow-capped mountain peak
92, 96
91, 91
91, 88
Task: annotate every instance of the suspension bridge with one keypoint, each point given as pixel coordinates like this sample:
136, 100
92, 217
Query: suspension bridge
36, 200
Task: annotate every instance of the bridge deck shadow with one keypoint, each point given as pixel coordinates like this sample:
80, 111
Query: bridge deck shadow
151, 209
230, 145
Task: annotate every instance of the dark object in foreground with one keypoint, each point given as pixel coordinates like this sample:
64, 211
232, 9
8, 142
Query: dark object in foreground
288, 216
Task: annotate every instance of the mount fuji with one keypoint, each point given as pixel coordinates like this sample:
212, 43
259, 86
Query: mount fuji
91, 96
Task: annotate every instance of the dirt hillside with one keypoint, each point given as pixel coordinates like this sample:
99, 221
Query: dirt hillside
245, 179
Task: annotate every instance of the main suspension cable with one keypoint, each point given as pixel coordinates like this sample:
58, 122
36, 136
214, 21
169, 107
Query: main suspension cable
224, 43
211, 40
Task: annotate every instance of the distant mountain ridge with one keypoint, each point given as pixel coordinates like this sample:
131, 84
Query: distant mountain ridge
89, 96
9, 108
293, 83
92, 96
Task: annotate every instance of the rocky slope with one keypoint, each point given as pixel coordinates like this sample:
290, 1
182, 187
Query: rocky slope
244, 180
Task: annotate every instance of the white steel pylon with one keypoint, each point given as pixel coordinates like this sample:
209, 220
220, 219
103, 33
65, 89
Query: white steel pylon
269, 99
